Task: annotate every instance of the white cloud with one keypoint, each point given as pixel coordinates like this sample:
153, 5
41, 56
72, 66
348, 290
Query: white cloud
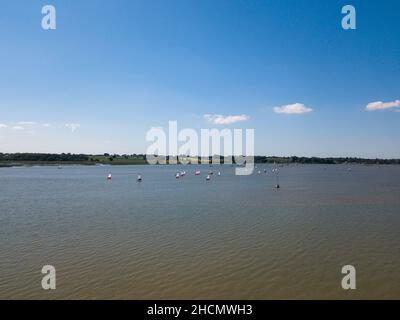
26, 123
379, 105
46, 125
72, 126
17, 128
296, 108
224, 120
3, 126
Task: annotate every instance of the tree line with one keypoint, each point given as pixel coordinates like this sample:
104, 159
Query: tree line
43, 157
54, 157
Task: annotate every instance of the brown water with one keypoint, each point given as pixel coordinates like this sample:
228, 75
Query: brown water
235, 237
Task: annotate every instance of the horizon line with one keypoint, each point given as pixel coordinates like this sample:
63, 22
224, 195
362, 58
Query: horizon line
199, 156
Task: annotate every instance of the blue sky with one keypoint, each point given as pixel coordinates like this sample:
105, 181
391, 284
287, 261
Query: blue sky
114, 69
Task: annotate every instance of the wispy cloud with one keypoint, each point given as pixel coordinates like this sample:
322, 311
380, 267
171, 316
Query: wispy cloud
72, 126
225, 120
295, 108
26, 123
30, 125
379, 105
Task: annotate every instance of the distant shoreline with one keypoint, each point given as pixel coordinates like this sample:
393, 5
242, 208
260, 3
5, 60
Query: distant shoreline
60, 163
48, 159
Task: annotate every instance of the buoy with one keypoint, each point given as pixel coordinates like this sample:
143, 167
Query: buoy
277, 177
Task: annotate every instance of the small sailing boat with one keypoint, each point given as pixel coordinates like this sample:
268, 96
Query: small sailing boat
208, 177
219, 173
109, 177
178, 175
139, 178
197, 173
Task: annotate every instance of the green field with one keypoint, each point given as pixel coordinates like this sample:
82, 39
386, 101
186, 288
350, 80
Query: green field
117, 160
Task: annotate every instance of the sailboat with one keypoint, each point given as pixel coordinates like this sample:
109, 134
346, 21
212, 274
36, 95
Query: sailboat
197, 173
139, 178
109, 177
208, 177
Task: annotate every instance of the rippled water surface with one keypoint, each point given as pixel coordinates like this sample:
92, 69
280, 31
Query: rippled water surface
234, 237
